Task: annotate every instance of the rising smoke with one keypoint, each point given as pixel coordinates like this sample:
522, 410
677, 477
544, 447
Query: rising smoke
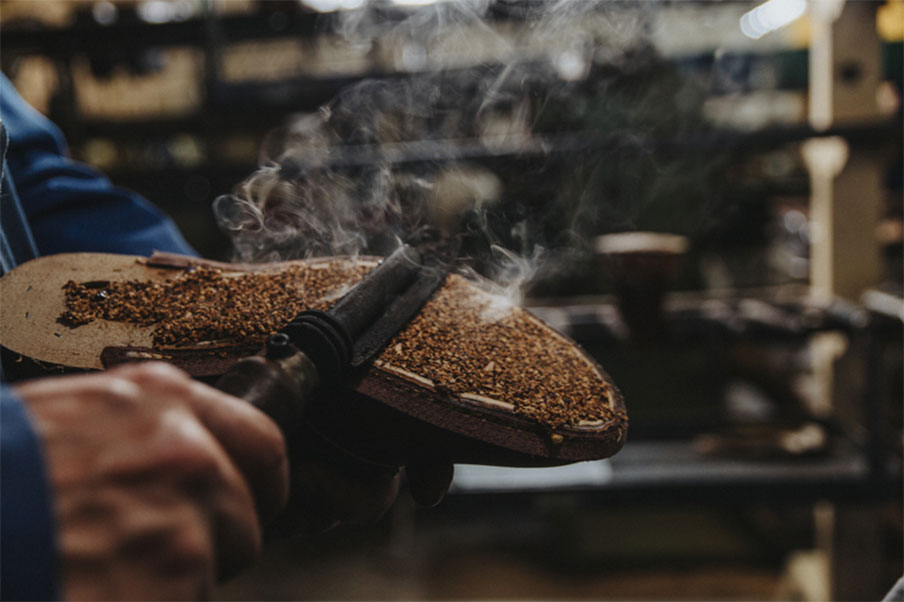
473, 134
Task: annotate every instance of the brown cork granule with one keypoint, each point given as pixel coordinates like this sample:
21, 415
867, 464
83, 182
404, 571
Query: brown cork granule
462, 341
204, 304
480, 345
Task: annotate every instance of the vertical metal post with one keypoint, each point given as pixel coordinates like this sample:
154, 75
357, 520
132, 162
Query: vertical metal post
846, 184
845, 204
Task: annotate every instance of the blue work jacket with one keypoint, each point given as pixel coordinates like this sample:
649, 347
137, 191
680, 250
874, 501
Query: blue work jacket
50, 204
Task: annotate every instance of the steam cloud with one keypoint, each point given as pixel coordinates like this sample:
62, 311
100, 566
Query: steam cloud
463, 149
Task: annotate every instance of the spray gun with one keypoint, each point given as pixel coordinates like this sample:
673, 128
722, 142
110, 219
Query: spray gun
328, 349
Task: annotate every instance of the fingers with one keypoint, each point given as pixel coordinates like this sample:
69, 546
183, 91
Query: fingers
178, 540
167, 546
193, 460
429, 481
250, 438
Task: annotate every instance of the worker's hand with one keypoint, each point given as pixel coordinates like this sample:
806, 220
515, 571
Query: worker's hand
159, 481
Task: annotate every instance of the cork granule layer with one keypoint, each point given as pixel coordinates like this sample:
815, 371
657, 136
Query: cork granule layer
479, 344
204, 304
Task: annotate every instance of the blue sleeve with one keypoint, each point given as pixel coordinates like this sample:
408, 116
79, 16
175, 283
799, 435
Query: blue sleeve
28, 560
70, 206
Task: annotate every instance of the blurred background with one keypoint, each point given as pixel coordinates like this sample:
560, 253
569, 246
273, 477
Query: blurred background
707, 196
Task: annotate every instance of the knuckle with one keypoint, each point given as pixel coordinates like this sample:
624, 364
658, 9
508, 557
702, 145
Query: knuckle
169, 533
273, 447
182, 389
165, 379
120, 391
158, 371
191, 546
193, 457
199, 466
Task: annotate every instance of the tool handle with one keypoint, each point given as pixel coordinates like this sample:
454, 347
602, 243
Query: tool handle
279, 383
